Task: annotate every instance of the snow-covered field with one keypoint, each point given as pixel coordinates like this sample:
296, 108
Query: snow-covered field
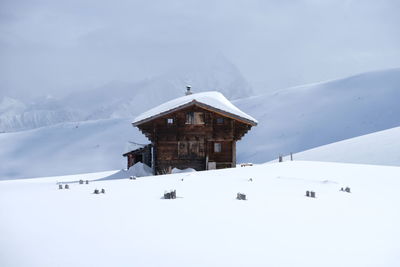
131, 225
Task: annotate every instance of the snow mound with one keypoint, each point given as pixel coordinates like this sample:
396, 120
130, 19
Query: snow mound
137, 170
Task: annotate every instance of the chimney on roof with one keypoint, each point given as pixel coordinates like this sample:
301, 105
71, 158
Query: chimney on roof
188, 92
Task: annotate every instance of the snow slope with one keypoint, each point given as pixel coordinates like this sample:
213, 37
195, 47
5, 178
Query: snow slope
380, 148
66, 148
131, 225
304, 117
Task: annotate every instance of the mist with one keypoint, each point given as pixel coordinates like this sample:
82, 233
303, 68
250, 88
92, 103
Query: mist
56, 47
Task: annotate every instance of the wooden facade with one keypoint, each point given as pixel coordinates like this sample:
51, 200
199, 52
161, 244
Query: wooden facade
195, 136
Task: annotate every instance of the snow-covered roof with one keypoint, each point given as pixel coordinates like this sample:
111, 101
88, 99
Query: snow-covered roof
214, 100
132, 146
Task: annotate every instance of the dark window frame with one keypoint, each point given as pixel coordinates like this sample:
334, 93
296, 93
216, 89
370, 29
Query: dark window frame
220, 120
195, 118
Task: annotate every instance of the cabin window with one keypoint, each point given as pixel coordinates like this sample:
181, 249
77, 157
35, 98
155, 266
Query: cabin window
183, 149
170, 121
220, 120
190, 149
195, 118
217, 147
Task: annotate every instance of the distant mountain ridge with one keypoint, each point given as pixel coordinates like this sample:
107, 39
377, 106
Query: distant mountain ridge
16, 115
124, 99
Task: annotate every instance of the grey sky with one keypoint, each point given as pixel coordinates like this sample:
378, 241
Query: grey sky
51, 46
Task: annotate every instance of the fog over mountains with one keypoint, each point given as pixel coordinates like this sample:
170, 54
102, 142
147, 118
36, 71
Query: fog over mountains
123, 99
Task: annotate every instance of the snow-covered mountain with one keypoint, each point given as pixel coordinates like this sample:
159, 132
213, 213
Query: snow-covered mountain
124, 99
304, 117
15, 115
291, 120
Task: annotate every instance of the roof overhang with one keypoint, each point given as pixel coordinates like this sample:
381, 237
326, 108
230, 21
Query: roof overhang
136, 150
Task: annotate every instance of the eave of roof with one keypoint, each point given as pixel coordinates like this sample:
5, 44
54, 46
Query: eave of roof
136, 150
199, 104
212, 100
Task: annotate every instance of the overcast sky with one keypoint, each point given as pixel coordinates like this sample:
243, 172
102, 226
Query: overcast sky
51, 46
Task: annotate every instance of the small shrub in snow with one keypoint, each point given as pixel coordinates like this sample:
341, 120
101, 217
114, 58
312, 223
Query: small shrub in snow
246, 164
60, 186
80, 181
251, 180
310, 194
66, 186
240, 196
347, 189
96, 191
132, 178
87, 181
103, 191
170, 195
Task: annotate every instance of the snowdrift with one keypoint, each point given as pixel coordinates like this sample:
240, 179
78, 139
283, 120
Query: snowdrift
176, 170
137, 170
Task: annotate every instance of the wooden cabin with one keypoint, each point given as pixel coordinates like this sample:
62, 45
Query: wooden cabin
196, 131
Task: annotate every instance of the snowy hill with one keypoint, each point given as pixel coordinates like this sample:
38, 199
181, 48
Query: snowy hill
304, 117
131, 225
66, 148
380, 148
